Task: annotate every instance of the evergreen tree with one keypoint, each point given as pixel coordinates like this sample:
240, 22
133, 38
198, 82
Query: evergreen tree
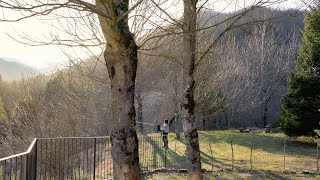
301, 107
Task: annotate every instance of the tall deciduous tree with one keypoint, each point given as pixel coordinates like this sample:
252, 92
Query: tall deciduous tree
301, 107
188, 103
121, 60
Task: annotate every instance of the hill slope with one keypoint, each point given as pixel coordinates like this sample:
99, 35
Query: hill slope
10, 70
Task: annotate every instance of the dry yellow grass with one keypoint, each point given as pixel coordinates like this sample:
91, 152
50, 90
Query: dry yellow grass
262, 151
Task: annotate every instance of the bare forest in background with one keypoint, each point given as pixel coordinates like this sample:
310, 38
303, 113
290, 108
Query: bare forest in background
239, 83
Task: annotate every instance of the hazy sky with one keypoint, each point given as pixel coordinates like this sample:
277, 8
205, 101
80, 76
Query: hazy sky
36, 56
42, 56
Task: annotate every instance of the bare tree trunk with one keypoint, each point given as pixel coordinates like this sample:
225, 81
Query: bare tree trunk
204, 123
122, 68
121, 60
188, 103
140, 115
177, 124
264, 113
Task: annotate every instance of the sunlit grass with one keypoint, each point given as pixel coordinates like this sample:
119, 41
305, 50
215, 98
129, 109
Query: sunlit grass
261, 151
264, 155
257, 175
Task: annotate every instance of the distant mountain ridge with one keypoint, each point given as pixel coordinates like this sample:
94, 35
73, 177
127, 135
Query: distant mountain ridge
11, 70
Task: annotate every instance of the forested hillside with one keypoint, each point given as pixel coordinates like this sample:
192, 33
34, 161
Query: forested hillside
11, 70
239, 83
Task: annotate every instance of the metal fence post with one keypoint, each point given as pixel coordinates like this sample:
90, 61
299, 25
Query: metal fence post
284, 154
251, 152
26, 167
211, 154
232, 155
33, 162
317, 155
3, 170
94, 158
165, 159
175, 145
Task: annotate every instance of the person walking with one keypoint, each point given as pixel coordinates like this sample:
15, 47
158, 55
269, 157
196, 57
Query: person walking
164, 128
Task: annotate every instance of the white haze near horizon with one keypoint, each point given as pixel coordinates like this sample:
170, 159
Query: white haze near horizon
42, 57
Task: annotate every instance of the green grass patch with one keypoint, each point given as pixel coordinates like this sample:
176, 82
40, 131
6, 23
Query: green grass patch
261, 151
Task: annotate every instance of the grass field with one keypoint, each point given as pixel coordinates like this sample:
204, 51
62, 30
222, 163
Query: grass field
251, 175
259, 154
224, 155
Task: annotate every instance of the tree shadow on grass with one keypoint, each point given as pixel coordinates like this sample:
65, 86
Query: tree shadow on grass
161, 157
205, 159
228, 174
168, 158
246, 174
214, 162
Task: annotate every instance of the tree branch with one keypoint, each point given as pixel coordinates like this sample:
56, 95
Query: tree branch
93, 8
125, 14
167, 14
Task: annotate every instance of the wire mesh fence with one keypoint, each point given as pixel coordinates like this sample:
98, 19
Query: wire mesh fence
90, 158
76, 158
73, 158
61, 158
151, 153
257, 152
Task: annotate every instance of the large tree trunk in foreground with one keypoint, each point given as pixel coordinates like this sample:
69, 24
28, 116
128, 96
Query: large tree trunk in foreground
122, 68
188, 104
121, 60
